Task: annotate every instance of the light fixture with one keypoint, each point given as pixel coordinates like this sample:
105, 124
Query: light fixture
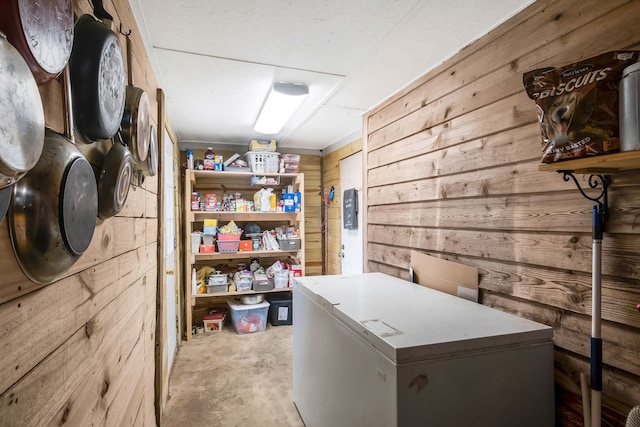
281, 103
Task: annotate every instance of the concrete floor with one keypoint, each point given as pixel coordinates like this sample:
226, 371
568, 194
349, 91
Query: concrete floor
225, 379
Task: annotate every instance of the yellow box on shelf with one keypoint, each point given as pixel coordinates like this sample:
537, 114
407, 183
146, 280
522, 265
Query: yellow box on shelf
210, 226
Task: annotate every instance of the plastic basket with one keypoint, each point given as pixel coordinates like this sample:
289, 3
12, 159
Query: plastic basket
228, 245
222, 236
263, 161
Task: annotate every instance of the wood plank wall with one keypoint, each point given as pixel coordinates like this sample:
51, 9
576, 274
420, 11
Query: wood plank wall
80, 351
310, 165
452, 171
331, 178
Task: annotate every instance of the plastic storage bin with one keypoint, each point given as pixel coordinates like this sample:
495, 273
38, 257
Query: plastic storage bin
289, 244
281, 279
228, 245
217, 288
263, 161
243, 284
247, 319
262, 285
280, 309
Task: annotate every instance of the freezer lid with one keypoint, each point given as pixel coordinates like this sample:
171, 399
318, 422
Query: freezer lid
409, 322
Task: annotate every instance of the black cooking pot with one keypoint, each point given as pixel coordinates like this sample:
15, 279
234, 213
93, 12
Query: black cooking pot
98, 80
42, 31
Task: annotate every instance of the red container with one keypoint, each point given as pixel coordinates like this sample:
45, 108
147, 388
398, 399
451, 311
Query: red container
207, 249
246, 246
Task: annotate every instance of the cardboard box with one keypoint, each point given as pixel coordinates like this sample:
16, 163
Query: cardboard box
445, 276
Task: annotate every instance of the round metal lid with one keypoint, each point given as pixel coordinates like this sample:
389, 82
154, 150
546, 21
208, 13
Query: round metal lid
48, 29
142, 128
123, 183
152, 158
21, 116
112, 85
78, 205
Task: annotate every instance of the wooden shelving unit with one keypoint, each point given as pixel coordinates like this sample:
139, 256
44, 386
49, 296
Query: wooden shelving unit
226, 183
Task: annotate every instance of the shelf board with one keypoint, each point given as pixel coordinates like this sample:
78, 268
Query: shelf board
237, 255
244, 216
213, 179
604, 165
233, 294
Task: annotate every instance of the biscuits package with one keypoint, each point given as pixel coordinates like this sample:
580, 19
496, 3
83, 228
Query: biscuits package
577, 105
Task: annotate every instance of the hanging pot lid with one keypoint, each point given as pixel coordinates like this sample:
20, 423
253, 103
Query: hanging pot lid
150, 166
42, 31
21, 116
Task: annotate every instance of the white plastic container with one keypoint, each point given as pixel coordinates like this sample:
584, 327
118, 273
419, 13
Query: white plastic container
281, 279
195, 242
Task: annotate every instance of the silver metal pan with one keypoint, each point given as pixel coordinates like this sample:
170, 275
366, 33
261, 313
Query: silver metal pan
53, 212
21, 116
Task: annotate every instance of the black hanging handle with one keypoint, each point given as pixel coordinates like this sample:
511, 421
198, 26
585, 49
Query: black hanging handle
99, 10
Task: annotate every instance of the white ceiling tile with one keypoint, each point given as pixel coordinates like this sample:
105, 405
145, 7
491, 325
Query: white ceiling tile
216, 59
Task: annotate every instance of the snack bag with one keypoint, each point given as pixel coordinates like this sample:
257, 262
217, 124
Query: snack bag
577, 105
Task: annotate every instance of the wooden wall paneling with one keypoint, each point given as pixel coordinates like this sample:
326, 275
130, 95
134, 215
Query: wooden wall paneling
556, 250
572, 331
625, 387
310, 165
151, 281
74, 363
77, 299
331, 177
562, 211
67, 344
451, 165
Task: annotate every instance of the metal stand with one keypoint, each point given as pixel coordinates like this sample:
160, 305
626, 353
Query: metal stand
600, 216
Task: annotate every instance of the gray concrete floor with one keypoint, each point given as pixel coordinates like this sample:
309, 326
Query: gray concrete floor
225, 379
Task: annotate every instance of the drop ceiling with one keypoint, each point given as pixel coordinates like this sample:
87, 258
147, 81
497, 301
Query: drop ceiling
216, 60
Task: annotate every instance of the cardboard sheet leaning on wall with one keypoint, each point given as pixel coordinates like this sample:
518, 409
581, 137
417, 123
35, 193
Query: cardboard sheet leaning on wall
445, 276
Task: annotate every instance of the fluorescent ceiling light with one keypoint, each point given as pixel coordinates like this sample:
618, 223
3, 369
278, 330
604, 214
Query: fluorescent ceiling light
283, 100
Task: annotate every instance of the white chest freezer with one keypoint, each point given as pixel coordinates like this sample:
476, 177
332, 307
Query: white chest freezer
374, 350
